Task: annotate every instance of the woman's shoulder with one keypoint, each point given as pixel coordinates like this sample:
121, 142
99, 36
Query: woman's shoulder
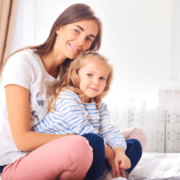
25, 55
22, 66
24, 60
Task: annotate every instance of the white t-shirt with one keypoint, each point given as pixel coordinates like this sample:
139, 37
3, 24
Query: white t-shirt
25, 69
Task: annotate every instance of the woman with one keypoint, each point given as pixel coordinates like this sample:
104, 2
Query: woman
29, 78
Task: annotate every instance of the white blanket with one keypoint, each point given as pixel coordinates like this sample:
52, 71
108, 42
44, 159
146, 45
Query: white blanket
156, 166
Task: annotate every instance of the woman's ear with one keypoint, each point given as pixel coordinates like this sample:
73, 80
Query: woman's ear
58, 31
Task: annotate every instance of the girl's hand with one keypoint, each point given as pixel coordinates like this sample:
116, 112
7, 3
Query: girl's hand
121, 162
117, 160
116, 172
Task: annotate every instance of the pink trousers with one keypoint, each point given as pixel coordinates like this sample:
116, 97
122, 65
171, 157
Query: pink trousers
67, 158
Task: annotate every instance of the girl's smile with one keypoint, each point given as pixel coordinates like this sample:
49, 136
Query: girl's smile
93, 89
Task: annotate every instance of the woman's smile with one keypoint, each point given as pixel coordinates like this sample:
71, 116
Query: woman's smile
74, 48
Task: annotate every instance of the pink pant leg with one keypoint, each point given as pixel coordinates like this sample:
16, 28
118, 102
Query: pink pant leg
69, 158
136, 133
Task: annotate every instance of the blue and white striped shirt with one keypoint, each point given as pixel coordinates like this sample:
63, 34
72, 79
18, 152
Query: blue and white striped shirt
71, 116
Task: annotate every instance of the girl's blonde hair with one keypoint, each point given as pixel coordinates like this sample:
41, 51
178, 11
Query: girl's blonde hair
71, 81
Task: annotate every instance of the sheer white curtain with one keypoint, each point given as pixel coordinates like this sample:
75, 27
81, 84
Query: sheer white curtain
24, 33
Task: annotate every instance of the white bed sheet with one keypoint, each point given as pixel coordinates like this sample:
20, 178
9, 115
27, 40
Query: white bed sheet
157, 166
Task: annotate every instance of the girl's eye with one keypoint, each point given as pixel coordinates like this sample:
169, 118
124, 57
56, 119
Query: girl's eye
102, 78
90, 75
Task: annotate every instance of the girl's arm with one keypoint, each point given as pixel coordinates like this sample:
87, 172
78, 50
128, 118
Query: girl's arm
72, 116
17, 99
117, 160
109, 131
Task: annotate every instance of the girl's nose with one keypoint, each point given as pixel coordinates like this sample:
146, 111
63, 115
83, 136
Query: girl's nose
95, 81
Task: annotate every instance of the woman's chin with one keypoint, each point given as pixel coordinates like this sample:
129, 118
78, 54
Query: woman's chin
73, 56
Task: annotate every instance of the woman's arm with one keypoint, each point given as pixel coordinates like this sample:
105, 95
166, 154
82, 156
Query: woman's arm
18, 108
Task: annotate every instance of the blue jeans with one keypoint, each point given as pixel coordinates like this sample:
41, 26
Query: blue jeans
1, 169
100, 166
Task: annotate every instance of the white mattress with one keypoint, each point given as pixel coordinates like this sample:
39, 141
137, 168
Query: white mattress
156, 166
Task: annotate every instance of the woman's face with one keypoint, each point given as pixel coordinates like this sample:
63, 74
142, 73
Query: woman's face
76, 37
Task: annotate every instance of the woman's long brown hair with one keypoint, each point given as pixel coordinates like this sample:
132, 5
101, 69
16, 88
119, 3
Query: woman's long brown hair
73, 13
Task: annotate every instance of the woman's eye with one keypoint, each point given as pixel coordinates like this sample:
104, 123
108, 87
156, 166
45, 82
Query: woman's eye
75, 30
90, 75
89, 39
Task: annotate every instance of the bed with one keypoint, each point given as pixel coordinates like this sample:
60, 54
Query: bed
157, 166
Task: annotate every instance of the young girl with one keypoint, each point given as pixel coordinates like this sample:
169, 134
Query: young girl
76, 108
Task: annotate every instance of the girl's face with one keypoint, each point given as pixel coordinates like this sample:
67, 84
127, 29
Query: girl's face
93, 76
75, 38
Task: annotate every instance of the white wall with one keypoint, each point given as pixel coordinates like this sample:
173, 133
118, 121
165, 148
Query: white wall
136, 39
139, 38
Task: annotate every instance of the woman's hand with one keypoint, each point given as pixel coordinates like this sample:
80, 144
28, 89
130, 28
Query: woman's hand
113, 168
109, 155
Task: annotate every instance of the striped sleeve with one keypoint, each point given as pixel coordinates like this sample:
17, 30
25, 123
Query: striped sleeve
74, 114
109, 131
69, 117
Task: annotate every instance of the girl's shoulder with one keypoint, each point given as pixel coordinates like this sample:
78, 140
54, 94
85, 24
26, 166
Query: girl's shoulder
69, 95
102, 106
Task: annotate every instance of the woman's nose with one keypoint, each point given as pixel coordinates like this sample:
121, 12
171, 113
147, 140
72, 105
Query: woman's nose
81, 41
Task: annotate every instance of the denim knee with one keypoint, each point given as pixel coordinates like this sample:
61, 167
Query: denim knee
133, 152
94, 139
98, 166
135, 146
